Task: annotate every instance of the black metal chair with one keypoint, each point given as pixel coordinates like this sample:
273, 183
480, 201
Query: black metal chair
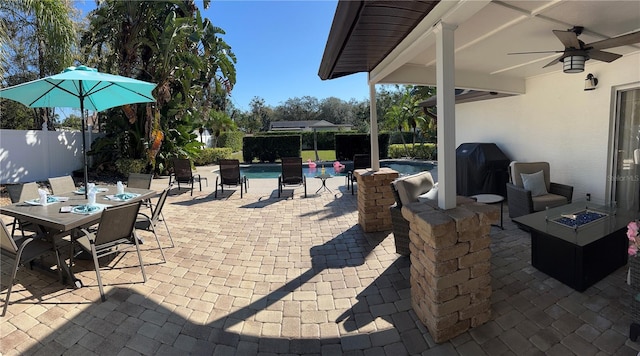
291, 174
22, 251
230, 176
116, 229
360, 161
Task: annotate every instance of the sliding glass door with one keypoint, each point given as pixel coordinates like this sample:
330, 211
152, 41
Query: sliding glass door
626, 176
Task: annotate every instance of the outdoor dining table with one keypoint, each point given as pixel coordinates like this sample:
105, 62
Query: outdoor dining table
53, 225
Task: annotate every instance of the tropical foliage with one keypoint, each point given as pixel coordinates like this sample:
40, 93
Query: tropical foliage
168, 43
37, 39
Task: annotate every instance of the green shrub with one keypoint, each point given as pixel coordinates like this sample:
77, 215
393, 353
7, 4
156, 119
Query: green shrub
427, 151
232, 140
124, 166
347, 145
211, 155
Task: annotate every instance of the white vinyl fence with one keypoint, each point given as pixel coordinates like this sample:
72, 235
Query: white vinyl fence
34, 155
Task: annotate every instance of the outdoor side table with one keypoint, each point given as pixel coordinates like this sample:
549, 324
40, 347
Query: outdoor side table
323, 178
491, 199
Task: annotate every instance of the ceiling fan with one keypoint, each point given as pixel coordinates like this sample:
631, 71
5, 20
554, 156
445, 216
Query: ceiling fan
576, 52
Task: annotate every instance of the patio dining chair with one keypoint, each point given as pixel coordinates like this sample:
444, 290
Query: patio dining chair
22, 251
141, 181
116, 229
230, 176
182, 174
60, 185
149, 222
360, 161
291, 174
19, 193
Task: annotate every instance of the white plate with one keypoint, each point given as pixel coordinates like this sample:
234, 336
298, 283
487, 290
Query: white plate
99, 190
87, 210
122, 197
50, 200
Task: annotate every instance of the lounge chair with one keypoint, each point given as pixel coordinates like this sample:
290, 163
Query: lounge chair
61, 185
292, 174
360, 161
531, 190
22, 251
230, 176
182, 174
116, 229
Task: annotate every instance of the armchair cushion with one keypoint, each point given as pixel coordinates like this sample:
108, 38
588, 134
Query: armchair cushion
411, 187
535, 183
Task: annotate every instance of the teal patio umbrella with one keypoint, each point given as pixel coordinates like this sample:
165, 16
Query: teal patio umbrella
81, 88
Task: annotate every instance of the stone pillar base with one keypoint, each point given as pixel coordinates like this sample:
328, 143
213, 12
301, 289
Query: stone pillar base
374, 198
450, 265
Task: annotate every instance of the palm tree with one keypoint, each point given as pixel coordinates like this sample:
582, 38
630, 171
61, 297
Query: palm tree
220, 122
37, 34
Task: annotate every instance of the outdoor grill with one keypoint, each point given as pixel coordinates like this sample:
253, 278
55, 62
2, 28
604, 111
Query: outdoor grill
481, 168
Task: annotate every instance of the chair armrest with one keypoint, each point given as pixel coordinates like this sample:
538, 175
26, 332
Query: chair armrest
519, 200
561, 189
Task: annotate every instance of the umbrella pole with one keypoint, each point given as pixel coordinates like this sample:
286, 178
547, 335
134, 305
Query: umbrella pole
84, 146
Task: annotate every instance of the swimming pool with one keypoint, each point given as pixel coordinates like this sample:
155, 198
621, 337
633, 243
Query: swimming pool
269, 170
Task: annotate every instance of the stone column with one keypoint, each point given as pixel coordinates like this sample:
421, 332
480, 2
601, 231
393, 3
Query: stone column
374, 198
450, 264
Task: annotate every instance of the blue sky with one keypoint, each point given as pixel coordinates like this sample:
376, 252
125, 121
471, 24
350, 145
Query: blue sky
279, 46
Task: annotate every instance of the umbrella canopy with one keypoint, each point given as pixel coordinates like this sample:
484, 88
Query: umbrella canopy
81, 88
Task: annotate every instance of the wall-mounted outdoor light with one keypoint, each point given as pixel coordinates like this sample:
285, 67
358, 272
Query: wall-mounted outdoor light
591, 82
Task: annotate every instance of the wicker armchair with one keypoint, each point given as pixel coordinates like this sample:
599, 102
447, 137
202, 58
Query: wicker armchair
409, 189
524, 201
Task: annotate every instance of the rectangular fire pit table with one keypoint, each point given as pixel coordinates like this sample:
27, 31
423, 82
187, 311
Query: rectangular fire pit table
580, 253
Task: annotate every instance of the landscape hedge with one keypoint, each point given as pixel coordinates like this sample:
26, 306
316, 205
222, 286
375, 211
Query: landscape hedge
268, 148
348, 145
232, 140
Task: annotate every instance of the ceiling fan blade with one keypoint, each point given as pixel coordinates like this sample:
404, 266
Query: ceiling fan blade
535, 52
623, 40
568, 38
603, 56
557, 60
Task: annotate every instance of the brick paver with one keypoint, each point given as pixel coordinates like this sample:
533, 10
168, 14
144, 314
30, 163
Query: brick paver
263, 275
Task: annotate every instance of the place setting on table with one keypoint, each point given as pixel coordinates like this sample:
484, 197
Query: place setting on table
56, 216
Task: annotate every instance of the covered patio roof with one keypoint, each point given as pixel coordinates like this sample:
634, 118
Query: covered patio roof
394, 41
468, 45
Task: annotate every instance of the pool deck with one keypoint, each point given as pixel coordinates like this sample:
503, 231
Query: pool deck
264, 275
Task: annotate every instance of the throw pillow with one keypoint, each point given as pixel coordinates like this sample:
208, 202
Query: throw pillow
535, 183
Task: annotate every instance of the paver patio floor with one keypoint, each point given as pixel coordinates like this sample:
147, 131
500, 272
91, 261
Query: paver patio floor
267, 275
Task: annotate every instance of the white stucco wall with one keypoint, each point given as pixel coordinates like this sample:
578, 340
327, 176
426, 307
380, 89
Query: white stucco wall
27, 156
556, 121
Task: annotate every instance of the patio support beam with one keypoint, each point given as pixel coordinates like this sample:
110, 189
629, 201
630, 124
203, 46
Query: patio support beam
373, 124
445, 75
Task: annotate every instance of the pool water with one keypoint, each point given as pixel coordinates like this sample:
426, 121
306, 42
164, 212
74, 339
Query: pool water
267, 170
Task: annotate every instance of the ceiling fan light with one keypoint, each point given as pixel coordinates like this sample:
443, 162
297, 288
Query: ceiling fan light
573, 64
